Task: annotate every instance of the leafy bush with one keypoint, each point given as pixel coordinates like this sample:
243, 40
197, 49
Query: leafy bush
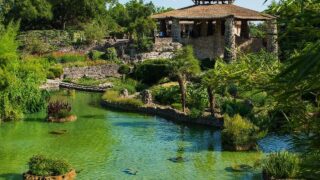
43, 166
152, 71
50, 75
235, 106
195, 113
56, 71
281, 165
111, 54
19, 79
34, 45
113, 96
95, 55
167, 95
239, 131
59, 109
124, 69
197, 98
177, 106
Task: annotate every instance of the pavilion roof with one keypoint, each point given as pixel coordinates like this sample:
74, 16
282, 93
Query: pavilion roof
213, 11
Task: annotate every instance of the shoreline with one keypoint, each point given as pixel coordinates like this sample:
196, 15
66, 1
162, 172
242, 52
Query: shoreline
169, 114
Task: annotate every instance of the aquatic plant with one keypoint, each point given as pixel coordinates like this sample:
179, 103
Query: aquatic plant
114, 97
59, 109
240, 132
281, 165
40, 165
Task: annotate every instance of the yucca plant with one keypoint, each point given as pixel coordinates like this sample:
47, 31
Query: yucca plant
281, 165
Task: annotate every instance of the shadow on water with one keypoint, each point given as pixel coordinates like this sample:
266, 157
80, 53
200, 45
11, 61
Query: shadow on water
93, 117
11, 176
134, 124
41, 120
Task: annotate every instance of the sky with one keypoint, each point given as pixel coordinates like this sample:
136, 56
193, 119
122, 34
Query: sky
251, 4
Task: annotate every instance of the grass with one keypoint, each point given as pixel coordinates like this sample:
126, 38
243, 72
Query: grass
118, 83
114, 97
281, 165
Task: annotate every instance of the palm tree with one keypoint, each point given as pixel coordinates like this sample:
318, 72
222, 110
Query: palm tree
184, 64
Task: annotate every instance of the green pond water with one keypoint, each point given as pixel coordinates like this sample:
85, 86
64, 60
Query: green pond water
102, 143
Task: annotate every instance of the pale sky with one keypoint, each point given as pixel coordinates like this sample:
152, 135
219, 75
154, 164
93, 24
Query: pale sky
251, 4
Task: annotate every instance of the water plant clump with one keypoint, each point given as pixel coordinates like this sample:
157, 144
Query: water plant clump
240, 134
60, 111
43, 167
281, 165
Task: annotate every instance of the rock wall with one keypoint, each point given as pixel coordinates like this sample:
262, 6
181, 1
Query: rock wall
95, 72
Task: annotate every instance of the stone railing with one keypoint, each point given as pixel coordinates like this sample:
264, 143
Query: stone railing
84, 88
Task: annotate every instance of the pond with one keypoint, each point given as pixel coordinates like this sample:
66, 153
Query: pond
102, 143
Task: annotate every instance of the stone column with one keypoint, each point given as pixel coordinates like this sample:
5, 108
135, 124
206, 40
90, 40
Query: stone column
229, 40
272, 36
176, 30
245, 32
217, 39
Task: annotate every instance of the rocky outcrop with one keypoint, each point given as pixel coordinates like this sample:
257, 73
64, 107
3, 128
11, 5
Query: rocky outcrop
94, 72
69, 176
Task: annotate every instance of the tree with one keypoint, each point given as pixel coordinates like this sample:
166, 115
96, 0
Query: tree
32, 13
184, 64
70, 13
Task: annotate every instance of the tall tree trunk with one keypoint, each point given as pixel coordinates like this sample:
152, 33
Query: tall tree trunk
212, 100
182, 85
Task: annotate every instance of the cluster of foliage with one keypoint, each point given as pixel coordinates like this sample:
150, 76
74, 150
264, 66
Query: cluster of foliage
281, 165
19, 79
59, 109
40, 165
97, 18
152, 71
239, 131
55, 71
114, 97
298, 23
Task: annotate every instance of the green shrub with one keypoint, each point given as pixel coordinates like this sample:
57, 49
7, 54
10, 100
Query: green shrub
281, 165
50, 75
177, 106
56, 70
195, 113
197, 98
167, 95
43, 166
152, 71
124, 69
34, 45
240, 131
234, 106
113, 96
111, 54
95, 55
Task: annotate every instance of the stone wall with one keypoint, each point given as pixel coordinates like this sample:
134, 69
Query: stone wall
95, 72
166, 112
212, 47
